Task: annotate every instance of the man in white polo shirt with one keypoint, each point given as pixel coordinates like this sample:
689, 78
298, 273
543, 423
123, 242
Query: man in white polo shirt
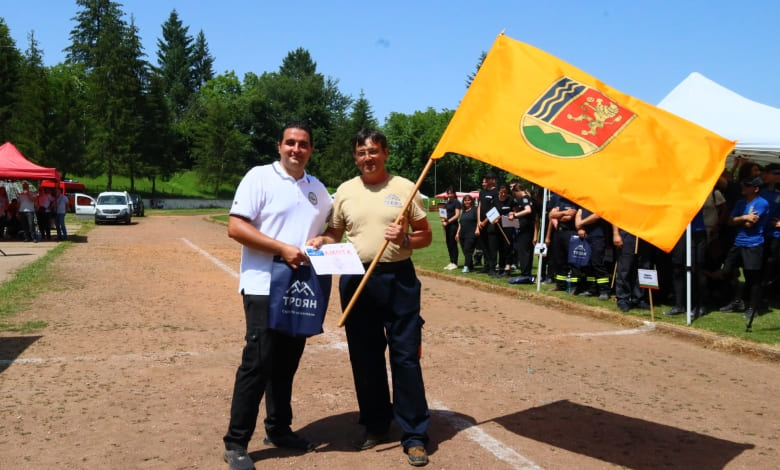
276, 209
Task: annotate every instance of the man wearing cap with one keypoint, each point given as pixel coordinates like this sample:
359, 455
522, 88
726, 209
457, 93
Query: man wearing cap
749, 216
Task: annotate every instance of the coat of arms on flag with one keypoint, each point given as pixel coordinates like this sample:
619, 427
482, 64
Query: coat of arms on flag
571, 119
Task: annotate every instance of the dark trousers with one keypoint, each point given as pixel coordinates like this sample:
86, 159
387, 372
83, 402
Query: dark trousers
560, 242
44, 224
467, 245
594, 277
387, 313
524, 251
489, 236
631, 257
268, 364
699, 289
505, 243
771, 270
452, 245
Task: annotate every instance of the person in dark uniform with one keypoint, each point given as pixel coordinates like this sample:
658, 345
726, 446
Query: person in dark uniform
486, 231
563, 211
524, 234
632, 254
450, 224
506, 206
594, 278
386, 313
466, 232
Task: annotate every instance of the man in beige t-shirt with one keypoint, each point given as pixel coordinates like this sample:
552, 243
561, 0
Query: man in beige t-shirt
387, 312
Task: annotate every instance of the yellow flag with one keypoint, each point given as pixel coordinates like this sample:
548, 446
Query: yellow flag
642, 168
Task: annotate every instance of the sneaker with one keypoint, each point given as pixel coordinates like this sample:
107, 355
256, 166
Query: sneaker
417, 456
603, 296
451, 266
734, 306
623, 306
748, 313
371, 440
238, 459
466, 270
585, 293
290, 441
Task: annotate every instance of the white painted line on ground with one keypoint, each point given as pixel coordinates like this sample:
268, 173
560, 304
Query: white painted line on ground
648, 326
485, 440
127, 357
208, 255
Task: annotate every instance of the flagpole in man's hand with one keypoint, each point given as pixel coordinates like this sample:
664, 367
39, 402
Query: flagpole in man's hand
378, 255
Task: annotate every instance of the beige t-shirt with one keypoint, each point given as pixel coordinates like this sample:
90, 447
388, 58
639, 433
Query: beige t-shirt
364, 211
709, 210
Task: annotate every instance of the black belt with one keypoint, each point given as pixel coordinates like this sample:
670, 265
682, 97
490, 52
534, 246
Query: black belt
389, 267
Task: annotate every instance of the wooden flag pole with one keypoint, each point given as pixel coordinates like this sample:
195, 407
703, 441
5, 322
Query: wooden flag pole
503, 233
378, 255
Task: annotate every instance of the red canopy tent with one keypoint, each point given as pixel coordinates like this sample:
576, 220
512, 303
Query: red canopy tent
14, 166
458, 194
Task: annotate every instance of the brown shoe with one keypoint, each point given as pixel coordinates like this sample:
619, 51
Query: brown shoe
417, 456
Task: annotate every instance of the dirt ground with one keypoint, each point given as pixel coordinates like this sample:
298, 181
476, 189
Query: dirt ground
136, 367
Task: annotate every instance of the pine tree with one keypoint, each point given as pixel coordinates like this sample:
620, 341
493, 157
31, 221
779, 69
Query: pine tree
28, 124
110, 52
10, 65
175, 64
202, 62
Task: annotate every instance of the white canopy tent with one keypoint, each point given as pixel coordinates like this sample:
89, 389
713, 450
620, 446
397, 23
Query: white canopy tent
755, 126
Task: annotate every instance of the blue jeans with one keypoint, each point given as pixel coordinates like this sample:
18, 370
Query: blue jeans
59, 224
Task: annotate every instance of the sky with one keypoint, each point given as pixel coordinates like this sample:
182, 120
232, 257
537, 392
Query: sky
408, 56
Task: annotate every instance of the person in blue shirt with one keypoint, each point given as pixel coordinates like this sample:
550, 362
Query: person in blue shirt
749, 216
771, 192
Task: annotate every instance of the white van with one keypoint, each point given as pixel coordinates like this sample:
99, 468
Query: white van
113, 206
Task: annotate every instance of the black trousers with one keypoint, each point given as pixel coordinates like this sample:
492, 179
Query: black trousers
385, 316
452, 245
560, 253
626, 281
489, 236
268, 365
524, 249
467, 245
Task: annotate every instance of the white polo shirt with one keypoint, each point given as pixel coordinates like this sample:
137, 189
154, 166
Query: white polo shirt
289, 210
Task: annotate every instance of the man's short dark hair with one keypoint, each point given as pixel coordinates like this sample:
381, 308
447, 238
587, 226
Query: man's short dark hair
298, 125
373, 135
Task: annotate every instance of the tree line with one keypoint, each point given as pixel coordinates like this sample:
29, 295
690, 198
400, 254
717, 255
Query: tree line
106, 110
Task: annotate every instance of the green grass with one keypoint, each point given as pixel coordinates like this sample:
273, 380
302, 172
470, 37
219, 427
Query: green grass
19, 292
766, 328
184, 184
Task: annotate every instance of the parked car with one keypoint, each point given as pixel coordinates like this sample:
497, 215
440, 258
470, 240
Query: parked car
113, 206
138, 205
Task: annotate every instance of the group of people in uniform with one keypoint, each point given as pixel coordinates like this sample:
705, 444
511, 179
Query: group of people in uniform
738, 226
